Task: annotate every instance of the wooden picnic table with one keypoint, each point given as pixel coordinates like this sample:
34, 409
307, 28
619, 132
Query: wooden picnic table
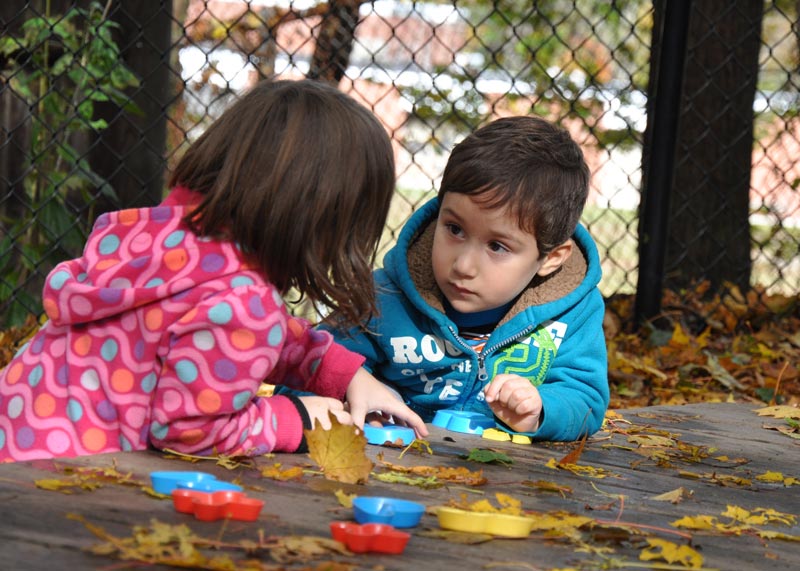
715, 453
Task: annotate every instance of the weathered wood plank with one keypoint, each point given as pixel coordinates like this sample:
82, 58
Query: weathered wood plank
35, 532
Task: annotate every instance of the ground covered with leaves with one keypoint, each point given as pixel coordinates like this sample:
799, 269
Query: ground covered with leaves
701, 348
705, 348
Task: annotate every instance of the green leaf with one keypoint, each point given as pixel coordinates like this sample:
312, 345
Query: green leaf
486, 456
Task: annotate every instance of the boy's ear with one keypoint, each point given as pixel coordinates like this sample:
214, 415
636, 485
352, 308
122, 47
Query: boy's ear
556, 258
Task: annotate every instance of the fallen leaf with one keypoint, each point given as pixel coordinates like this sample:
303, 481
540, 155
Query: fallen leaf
508, 505
590, 471
574, 455
421, 446
675, 496
339, 452
278, 472
429, 482
560, 524
345, 499
546, 486
460, 537
457, 475
291, 549
775, 477
487, 456
788, 429
660, 549
779, 412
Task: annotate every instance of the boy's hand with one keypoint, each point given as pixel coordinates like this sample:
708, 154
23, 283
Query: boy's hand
515, 401
366, 394
318, 408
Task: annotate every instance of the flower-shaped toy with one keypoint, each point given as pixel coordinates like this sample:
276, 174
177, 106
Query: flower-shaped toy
216, 505
369, 537
500, 524
391, 511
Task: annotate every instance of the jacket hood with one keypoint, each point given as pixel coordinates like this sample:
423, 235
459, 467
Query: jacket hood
133, 258
408, 265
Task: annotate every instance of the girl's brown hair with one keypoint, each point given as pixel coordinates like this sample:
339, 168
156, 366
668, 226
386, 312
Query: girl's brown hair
300, 176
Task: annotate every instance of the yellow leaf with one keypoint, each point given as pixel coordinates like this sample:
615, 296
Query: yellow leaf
560, 524
777, 535
651, 440
339, 452
483, 506
671, 553
705, 522
277, 472
590, 471
510, 504
675, 496
759, 516
781, 411
770, 477
55, 485
345, 499
740, 514
679, 338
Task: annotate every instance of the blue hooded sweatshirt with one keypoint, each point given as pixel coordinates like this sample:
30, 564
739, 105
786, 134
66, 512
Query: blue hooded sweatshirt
552, 335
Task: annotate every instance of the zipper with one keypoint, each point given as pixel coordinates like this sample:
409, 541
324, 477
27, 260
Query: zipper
482, 374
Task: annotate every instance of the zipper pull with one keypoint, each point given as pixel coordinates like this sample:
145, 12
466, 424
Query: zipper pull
483, 376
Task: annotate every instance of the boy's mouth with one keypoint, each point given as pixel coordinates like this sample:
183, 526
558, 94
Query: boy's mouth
462, 291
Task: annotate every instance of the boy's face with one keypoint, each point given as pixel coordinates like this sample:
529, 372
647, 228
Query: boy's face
481, 257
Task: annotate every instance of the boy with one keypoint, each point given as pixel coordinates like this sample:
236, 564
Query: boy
489, 300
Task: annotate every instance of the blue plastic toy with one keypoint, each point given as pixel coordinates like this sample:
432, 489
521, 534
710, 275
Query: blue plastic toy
165, 482
389, 434
463, 421
391, 511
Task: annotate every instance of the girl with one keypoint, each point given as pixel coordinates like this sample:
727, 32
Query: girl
162, 332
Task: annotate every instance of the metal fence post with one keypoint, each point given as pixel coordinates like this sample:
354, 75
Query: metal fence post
654, 212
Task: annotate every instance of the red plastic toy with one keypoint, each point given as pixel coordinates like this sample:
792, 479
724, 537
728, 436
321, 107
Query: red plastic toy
369, 537
216, 505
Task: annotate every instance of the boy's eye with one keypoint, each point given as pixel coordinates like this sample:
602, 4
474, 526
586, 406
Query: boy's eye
454, 229
497, 247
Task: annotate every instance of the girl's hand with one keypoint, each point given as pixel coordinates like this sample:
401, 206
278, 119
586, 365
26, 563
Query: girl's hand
319, 407
366, 394
515, 401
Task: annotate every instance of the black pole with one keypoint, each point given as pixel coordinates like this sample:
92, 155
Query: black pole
664, 113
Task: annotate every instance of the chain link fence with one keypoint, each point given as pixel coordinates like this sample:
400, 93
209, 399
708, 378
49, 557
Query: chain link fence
99, 99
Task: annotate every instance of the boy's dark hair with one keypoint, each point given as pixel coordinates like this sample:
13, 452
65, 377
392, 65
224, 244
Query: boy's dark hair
300, 175
530, 165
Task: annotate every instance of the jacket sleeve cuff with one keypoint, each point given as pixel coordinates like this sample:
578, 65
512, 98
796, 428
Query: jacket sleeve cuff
291, 417
337, 369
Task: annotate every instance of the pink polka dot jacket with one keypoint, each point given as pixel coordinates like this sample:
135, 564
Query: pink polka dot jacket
158, 337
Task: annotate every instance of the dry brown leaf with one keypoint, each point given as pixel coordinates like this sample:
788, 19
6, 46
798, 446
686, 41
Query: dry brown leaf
460, 537
294, 548
339, 452
574, 455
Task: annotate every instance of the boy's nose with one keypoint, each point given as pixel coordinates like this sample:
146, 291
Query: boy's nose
465, 263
